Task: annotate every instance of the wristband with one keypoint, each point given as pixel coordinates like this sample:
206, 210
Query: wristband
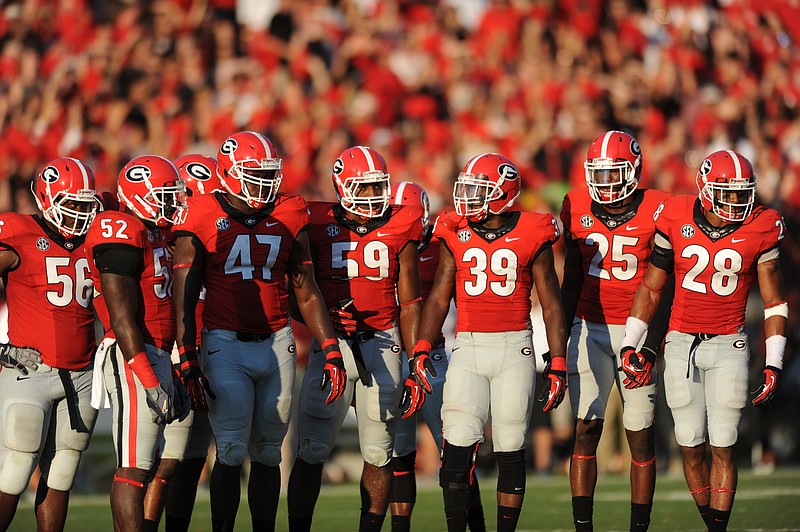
776, 344
329, 345
181, 265
140, 365
411, 302
634, 330
558, 364
423, 344
650, 287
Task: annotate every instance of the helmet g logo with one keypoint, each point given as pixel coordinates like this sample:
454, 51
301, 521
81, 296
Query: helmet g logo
198, 171
705, 168
229, 146
508, 172
338, 166
635, 148
50, 174
137, 174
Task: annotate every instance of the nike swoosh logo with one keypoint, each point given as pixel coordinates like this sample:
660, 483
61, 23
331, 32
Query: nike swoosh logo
509, 239
379, 234
22, 378
423, 259
212, 352
517, 489
737, 240
267, 224
631, 227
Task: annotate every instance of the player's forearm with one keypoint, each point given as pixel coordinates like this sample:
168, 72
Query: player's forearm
312, 308
410, 315
185, 299
433, 315
556, 330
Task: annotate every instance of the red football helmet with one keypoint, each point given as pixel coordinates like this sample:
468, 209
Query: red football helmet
65, 193
408, 193
150, 186
613, 167
488, 183
199, 173
727, 185
357, 171
249, 168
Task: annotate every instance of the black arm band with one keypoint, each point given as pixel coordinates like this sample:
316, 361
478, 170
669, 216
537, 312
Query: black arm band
121, 259
663, 258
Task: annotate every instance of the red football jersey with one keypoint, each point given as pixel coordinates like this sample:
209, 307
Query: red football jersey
246, 260
49, 294
615, 251
428, 263
714, 267
360, 261
493, 268
155, 314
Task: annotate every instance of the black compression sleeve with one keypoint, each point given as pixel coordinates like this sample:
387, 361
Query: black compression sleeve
121, 259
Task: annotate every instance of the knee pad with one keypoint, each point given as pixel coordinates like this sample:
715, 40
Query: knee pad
231, 454
16, 472
688, 436
63, 468
269, 455
457, 466
637, 420
404, 484
511, 472
377, 456
23, 428
723, 436
313, 452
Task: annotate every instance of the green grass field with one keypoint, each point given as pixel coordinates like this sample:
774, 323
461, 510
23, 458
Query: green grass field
770, 502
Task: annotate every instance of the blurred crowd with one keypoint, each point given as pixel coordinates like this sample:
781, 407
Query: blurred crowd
427, 83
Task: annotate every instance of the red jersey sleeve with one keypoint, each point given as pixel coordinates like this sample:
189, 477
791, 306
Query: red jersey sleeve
771, 227
296, 212
109, 227
565, 214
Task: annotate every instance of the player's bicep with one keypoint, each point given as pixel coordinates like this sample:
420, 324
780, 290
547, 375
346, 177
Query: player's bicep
301, 265
8, 260
408, 284
770, 282
120, 293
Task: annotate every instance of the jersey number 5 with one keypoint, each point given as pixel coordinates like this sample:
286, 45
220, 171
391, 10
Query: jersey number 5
503, 263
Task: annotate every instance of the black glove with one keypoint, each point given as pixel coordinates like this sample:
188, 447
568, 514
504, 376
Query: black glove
765, 392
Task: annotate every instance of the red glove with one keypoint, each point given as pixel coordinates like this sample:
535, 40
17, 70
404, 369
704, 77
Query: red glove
196, 383
555, 382
637, 367
420, 363
333, 372
769, 384
413, 397
342, 321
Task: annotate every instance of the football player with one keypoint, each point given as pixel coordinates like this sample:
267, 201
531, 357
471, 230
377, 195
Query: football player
240, 245
404, 485
608, 230
132, 274
45, 412
491, 258
185, 445
365, 253
717, 245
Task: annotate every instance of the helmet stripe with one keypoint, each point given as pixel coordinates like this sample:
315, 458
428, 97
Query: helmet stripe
368, 157
263, 141
606, 140
736, 163
398, 198
84, 173
471, 163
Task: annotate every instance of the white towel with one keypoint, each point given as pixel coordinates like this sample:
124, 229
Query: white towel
99, 395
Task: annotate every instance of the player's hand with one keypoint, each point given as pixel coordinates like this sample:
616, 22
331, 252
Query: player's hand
413, 397
769, 384
196, 383
637, 367
420, 365
160, 404
333, 372
342, 320
181, 402
555, 382
20, 358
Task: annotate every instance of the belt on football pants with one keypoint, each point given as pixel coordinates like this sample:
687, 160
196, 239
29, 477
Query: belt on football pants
75, 420
698, 339
252, 337
358, 356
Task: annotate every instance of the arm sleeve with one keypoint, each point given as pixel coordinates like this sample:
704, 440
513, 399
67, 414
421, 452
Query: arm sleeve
663, 256
122, 259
